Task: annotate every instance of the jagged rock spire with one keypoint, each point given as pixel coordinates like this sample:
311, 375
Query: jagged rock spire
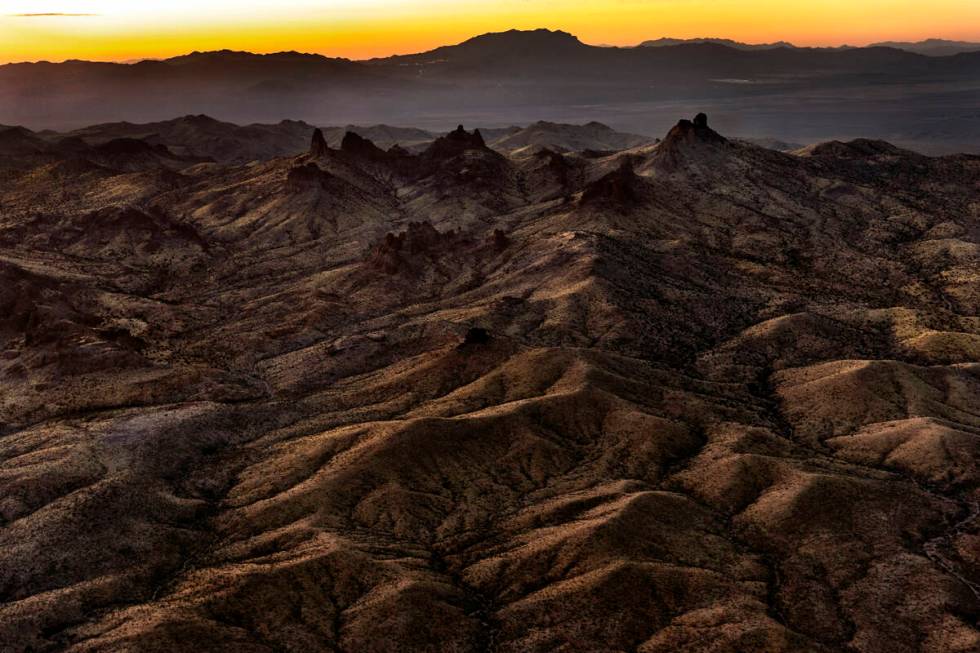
318, 146
455, 142
696, 130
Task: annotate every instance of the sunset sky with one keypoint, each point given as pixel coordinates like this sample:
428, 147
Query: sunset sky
122, 30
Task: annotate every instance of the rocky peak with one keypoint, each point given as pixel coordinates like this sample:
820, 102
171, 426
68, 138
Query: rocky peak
685, 137
472, 141
318, 145
356, 145
618, 188
693, 130
456, 142
393, 253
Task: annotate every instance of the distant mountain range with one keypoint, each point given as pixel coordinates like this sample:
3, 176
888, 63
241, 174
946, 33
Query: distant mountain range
518, 77
931, 47
738, 45
203, 136
928, 47
200, 138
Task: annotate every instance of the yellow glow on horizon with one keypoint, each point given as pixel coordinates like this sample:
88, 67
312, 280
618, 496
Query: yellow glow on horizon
118, 30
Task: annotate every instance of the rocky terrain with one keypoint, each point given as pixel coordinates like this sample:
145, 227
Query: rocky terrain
207, 139
692, 395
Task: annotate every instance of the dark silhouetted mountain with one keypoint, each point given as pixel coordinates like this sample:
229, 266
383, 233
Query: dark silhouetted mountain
201, 135
557, 58
932, 47
492, 54
454, 144
738, 45
225, 83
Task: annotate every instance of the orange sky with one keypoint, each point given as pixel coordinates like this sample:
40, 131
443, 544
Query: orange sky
122, 30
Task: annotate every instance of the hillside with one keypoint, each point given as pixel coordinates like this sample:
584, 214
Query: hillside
695, 395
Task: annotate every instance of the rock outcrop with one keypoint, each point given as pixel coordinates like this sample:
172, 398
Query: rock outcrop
689, 141
358, 146
318, 144
400, 252
455, 143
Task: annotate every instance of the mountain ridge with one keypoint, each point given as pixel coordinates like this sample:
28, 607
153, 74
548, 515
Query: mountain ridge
738, 45
932, 47
203, 136
928, 47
